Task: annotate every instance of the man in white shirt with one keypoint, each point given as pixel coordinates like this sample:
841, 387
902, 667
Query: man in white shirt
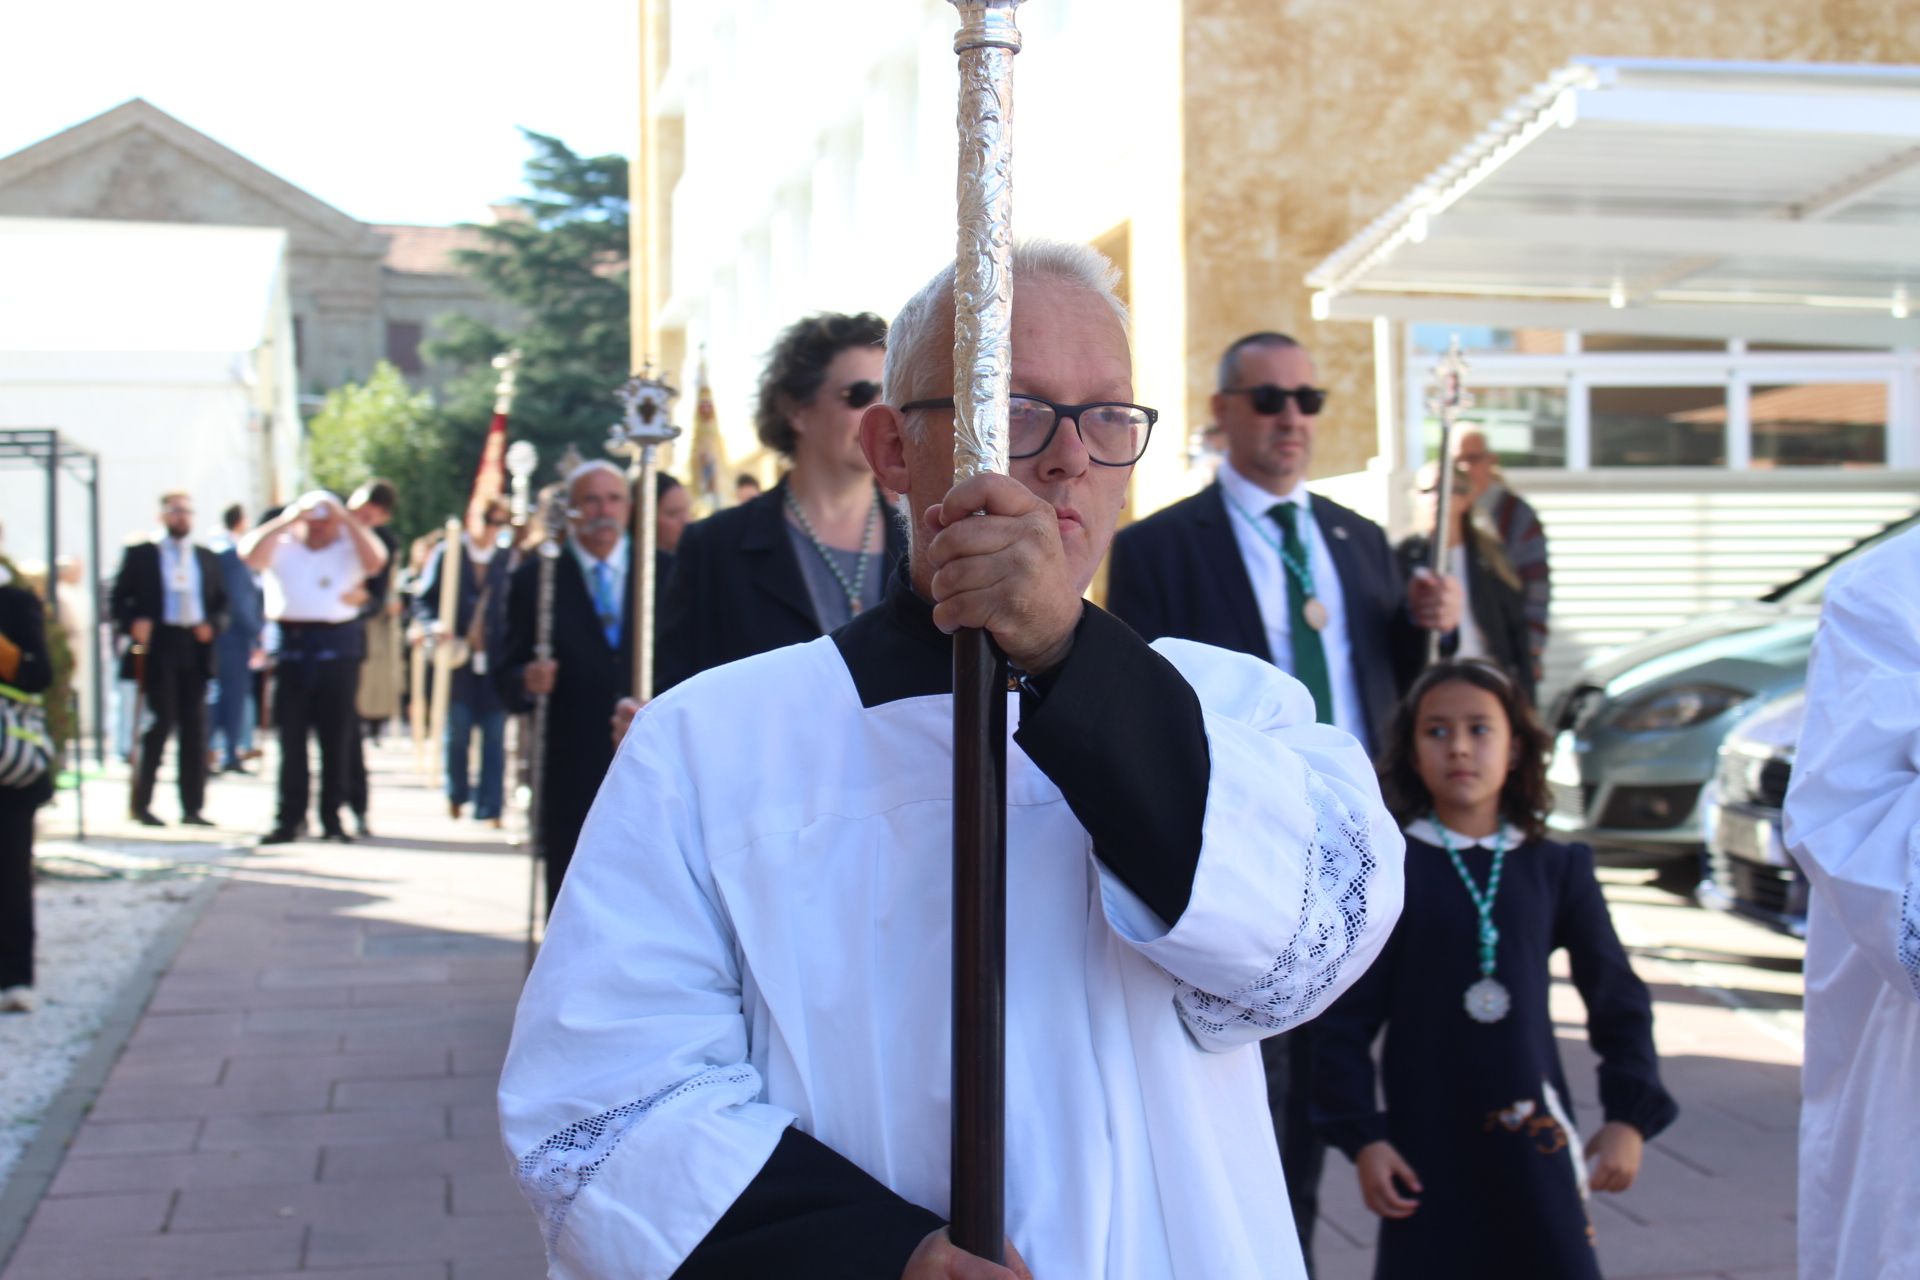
1255, 562
1853, 824
314, 561
731, 1058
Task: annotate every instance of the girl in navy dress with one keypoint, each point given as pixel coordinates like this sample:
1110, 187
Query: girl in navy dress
1475, 1166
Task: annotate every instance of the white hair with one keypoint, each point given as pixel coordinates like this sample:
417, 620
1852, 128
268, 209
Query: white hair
587, 468
919, 363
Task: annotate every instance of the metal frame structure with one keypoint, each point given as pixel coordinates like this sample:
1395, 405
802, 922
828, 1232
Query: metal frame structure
1764, 201
44, 449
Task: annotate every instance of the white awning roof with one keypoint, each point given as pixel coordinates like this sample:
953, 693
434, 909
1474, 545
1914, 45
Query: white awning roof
1774, 201
95, 285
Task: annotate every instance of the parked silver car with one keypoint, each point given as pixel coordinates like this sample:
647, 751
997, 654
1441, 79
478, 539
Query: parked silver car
1747, 868
1638, 734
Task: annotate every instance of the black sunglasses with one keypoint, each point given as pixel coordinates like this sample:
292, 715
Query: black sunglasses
1267, 398
859, 395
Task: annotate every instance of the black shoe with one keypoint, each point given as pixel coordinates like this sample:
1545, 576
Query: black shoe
235, 767
280, 835
337, 836
195, 820
360, 828
146, 819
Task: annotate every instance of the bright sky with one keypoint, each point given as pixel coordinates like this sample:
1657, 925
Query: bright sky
393, 111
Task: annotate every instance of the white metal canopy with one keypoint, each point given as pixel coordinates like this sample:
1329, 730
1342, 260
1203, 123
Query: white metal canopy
1774, 201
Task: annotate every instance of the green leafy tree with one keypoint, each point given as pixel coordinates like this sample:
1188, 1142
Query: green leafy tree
564, 267
384, 428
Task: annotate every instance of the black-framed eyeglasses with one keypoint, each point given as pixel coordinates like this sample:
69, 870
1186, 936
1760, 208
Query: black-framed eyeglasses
1268, 398
1115, 435
859, 395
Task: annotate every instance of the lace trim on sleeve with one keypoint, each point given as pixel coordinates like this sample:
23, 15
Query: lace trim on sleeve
1910, 915
553, 1174
1333, 915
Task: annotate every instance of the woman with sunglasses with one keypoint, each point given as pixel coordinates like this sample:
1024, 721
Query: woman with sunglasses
818, 548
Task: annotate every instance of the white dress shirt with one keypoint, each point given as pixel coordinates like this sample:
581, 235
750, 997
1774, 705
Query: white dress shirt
179, 584
1473, 642
1259, 536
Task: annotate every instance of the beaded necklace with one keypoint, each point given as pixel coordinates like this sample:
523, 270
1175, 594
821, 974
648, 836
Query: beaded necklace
855, 589
1486, 1000
1311, 607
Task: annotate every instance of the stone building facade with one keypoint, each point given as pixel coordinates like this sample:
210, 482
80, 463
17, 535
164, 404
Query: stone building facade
360, 293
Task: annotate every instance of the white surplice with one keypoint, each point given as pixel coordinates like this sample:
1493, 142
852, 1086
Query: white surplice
1853, 822
755, 932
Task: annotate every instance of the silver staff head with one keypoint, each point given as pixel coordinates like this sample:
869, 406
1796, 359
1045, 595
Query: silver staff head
643, 421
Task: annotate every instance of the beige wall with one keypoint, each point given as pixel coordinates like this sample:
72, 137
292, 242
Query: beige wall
1305, 119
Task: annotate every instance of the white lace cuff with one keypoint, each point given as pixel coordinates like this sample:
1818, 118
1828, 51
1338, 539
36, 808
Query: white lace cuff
1333, 916
553, 1175
1909, 948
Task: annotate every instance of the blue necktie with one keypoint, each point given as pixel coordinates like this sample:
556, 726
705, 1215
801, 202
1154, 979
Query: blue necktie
603, 603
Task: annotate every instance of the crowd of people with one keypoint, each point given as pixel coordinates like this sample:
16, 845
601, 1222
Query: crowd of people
1276, 820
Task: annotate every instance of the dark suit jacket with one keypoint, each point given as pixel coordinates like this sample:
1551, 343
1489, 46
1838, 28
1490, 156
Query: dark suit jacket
469, 687
737, 589
592, 677
1499, 610
1179, 573
139, 593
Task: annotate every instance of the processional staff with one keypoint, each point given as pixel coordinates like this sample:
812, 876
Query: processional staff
1449, 397
642, 429
522, 461
986, 43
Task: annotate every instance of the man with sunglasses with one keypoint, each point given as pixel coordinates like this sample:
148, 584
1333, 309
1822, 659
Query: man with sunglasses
1255, 562
169, 600
815, 551
731, 1058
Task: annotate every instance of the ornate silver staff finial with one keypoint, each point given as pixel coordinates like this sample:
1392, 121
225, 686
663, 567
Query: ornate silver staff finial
983, 276
642, 429
522, 461
643, 423
570, 461
1450, 394
1448, 397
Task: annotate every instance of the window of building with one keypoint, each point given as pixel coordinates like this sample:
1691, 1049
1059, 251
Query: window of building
1524, 426
1434, 340
403, 345
1830, 424
1659, 426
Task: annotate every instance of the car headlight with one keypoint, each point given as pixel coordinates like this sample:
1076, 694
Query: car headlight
1677, 706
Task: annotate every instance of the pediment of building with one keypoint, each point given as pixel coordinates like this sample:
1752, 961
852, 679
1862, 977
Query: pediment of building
137, 163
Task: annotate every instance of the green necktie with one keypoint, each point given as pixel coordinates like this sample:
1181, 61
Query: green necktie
1309, 655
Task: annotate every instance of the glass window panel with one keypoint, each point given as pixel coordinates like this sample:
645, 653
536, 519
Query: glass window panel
1659, 426
1603, 342
1433, 339
1830, 424
1524, 426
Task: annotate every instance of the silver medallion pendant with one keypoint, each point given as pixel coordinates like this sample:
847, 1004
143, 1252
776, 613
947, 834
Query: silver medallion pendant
325, 583
1487, 1001
1315, 613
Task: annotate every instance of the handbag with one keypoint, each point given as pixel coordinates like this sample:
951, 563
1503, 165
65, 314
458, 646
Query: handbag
26, 752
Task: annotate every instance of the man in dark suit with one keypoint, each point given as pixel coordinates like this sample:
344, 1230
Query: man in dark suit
169, 600
591, 667
1256, 563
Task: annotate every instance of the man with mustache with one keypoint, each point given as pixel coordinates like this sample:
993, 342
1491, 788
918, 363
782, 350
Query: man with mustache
592, 664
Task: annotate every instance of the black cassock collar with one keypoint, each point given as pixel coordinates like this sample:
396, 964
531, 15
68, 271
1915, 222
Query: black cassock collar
895, 651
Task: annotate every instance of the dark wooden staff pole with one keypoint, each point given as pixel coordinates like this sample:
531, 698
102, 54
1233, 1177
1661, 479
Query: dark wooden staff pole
983, 309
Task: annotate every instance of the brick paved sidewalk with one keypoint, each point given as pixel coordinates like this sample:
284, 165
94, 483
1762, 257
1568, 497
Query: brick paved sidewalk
311, 1087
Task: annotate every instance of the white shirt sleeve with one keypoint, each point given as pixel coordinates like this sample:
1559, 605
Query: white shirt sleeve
1300, 876
627, 1104
1853, 806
